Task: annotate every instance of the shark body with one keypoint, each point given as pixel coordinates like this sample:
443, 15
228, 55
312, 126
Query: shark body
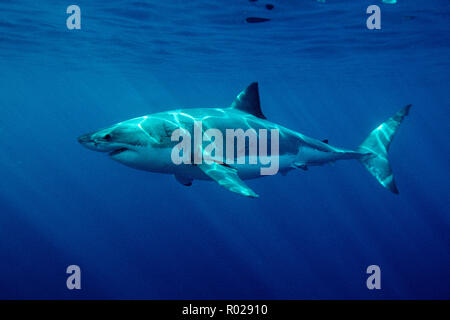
146, 143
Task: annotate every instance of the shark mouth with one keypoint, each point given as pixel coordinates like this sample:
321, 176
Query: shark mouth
117, 151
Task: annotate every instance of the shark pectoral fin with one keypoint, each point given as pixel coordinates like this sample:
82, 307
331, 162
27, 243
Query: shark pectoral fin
185, 181
228, 178
300, 165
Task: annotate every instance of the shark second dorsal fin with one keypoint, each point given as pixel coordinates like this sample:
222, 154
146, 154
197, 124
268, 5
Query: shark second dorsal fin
248, 101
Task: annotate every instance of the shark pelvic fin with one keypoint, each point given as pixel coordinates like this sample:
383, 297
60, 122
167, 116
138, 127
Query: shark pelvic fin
248, 101
300, 165
185, 181
228, 178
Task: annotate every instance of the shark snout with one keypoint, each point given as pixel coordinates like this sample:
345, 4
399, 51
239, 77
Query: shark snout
85, 138
102, 141
87, 141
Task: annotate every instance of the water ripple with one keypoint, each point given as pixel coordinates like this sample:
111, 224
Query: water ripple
175, 31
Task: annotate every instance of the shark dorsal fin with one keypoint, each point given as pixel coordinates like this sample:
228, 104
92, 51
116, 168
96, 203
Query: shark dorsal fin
248, 101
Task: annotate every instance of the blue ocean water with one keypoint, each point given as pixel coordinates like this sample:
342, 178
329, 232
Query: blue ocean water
310, 235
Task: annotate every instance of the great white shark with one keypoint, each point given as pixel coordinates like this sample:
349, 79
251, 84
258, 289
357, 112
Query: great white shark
147, 143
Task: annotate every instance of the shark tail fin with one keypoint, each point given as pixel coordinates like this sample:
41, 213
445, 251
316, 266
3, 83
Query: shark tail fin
376, 147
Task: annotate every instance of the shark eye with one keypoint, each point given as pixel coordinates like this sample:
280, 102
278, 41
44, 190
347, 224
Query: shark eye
107, 137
